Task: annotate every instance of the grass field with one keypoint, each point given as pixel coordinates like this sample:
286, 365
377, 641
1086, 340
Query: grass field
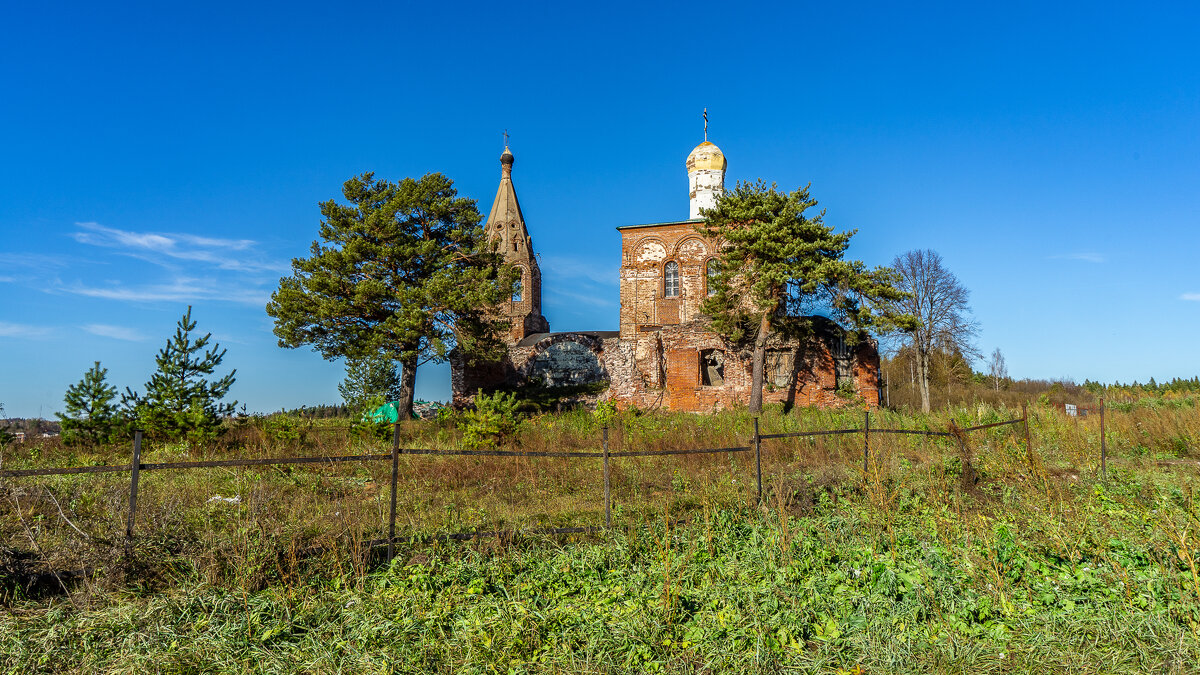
1030, 563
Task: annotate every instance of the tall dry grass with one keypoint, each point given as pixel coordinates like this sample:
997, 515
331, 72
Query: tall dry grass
255, 527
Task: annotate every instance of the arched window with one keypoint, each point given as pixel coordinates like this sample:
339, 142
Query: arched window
671, 280
711, 270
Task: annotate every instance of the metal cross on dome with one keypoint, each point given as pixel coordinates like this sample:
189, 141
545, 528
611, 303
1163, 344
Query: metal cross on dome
706, 124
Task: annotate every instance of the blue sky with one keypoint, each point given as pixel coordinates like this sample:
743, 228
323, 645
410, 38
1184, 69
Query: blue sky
158, 155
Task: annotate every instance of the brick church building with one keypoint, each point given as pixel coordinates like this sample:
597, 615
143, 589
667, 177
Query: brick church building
663, 353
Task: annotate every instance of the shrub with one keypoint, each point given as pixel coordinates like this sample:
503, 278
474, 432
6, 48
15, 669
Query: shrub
847, 390
281, 428
606, 412
492, 422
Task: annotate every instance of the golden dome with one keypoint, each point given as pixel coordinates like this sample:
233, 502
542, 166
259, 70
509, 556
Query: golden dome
706, 157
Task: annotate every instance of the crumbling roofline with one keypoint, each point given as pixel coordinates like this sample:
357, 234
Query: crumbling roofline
693, 221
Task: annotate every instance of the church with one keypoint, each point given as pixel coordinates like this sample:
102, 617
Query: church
664, 353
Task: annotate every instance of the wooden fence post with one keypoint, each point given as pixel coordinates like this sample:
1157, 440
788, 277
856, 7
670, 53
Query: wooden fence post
968, 468
391, 553
134, 469
607, 484
1103, 446
758, 459
1025, 421
866, 438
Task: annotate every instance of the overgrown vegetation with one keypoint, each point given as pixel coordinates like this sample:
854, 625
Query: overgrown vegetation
371, 381
1034, 564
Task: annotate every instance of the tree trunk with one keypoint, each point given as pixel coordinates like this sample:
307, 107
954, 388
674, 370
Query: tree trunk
408, 381
923, 377
757, 367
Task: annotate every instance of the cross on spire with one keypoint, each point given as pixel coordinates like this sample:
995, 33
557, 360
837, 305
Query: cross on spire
506, 138
706, 124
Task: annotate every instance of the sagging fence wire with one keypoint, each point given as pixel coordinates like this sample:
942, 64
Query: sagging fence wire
605, 455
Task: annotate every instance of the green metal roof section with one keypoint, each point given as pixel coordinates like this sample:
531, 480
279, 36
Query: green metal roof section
669, 222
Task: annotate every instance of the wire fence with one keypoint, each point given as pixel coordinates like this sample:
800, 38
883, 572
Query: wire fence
136, 466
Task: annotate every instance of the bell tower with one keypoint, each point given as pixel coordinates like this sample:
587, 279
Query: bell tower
505, 229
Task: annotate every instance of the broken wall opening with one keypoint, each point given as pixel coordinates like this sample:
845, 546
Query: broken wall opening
712, 368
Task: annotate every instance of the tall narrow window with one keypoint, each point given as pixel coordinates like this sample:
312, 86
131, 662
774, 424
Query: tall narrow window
516, 296
711, 270
671, 280
842, 360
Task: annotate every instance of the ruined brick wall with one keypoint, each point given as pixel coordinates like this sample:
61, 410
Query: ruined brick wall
666, 347
563, 359
645, 252
465, 379
555, 360
666, 368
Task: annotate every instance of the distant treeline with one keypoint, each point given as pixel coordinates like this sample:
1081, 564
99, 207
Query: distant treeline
321, 411
1177, 386
953, 381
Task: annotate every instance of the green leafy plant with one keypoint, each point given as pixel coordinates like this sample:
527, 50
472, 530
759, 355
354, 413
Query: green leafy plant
847, 390
606, 412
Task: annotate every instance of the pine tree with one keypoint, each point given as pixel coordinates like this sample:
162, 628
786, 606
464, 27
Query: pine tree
5, 437
775, 262
179, 400
402, 270
372, 379
91, 409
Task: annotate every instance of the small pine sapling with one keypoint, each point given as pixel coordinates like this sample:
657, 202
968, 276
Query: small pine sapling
180, 401
90, 409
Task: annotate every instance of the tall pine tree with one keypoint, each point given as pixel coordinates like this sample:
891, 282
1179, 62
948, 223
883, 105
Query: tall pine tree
90, 414
776, 262
403, 270
180, 401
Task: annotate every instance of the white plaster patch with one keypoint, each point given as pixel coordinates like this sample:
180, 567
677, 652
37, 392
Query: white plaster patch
651, 251
693, 249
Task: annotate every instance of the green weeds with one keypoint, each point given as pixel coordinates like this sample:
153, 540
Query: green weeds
1034, 565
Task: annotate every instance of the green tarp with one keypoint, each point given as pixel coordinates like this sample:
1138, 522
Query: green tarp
389, 413
386, 413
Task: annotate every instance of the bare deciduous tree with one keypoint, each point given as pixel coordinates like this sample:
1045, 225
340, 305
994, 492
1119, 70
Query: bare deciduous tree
997, 368
939, 302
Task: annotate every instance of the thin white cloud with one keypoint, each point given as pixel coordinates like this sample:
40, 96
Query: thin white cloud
159, 248
114, 332
568, 268
1084, 256
22, 330
180, 290
1193, 297
7, 280
33, 261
